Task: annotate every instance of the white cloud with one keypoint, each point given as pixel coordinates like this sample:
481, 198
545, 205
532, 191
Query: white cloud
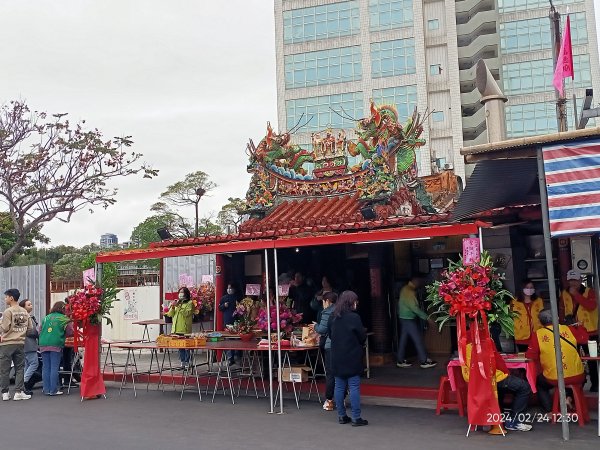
191, 81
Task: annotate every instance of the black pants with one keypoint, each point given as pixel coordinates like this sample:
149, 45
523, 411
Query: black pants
543, 392
521, 391
329, 378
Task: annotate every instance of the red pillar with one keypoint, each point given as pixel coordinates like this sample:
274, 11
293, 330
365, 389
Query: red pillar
220, 288
380, 341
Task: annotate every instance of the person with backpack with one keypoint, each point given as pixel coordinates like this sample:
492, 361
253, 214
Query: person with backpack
56, 326
31, 347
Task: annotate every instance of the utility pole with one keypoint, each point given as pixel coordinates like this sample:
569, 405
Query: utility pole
561, 101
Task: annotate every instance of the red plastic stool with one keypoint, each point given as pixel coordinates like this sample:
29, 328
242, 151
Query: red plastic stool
444, 398
580, 404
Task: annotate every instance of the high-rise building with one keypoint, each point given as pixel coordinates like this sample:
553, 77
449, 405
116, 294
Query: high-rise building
109, 240
334, 56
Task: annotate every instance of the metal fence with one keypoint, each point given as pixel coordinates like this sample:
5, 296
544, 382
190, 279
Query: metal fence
33, 282
194, 266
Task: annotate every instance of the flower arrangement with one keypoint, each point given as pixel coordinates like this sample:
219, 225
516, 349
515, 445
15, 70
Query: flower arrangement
470, 291
288, 318
203, 297
91, 304
244, 322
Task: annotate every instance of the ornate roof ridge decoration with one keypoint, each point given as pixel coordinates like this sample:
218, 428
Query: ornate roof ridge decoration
376, 166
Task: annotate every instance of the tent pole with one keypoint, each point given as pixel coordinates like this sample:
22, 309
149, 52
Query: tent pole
279, 368
269, 331
596, 275
553, 296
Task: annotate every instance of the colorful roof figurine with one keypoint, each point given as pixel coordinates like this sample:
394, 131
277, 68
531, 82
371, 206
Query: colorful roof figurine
378, 168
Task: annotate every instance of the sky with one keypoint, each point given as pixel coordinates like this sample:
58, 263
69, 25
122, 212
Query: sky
190, 80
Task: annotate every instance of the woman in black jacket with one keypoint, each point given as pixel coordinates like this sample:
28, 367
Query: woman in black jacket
348, 337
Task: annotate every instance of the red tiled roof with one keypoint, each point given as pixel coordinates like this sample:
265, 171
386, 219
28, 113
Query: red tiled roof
317, 216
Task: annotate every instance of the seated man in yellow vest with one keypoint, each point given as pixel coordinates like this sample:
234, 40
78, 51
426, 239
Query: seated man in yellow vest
506, 382
541, 348
581, 306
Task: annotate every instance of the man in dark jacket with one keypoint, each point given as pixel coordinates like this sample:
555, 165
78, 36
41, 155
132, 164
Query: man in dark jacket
227, 306
302, 294
348, 337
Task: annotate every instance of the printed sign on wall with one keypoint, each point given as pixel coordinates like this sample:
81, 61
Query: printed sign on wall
130, 307
253, 289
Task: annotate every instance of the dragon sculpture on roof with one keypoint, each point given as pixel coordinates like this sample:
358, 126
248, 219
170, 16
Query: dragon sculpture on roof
380, 161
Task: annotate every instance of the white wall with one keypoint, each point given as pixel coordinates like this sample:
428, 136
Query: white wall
145, 303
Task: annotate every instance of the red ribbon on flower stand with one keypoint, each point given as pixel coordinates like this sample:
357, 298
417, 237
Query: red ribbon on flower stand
92, 382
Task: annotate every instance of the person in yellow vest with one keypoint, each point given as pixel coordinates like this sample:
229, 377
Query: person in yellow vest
528, 305
541, 348
581, 306
505, 382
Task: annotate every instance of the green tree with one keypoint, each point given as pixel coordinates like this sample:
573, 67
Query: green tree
188, 192
9, 238
50, 169
231, 215
146, 232
109, 270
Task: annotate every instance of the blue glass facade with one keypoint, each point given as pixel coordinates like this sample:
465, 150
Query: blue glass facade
536, 76
534, 34
321, 22
319, 111
336, 65
403, 97
390, 14
392, 58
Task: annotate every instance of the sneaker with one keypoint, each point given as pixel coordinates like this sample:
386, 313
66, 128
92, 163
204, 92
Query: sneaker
28, 391
360, 422
5, 396
344, 419
428, 364
21, 396
403, 364
328, 405
518, 426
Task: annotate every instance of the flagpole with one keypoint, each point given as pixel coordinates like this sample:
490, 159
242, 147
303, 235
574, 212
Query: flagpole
575, 124
561, 113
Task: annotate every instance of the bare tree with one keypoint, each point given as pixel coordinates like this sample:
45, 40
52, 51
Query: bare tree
50, 169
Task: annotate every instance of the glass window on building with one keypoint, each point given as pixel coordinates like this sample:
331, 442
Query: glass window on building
532, 119
433, 24
336, 65
393, 58
403, 97
437, 116
534, 34
319, 111
321, 22
523, 5
435, 69
536, 76
390, 14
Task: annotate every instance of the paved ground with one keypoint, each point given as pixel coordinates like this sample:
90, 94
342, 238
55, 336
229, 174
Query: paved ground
159, 420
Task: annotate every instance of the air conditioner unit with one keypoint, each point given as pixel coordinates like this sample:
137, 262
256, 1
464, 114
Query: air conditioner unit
581, 254
448, 166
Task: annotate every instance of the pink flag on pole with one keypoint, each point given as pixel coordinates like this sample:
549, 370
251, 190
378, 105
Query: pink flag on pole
564, 63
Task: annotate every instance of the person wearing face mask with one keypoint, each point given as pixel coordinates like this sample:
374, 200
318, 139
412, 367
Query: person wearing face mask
182, 312
528, 306
227, 306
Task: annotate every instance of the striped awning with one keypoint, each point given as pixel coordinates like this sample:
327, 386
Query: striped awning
573, 186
